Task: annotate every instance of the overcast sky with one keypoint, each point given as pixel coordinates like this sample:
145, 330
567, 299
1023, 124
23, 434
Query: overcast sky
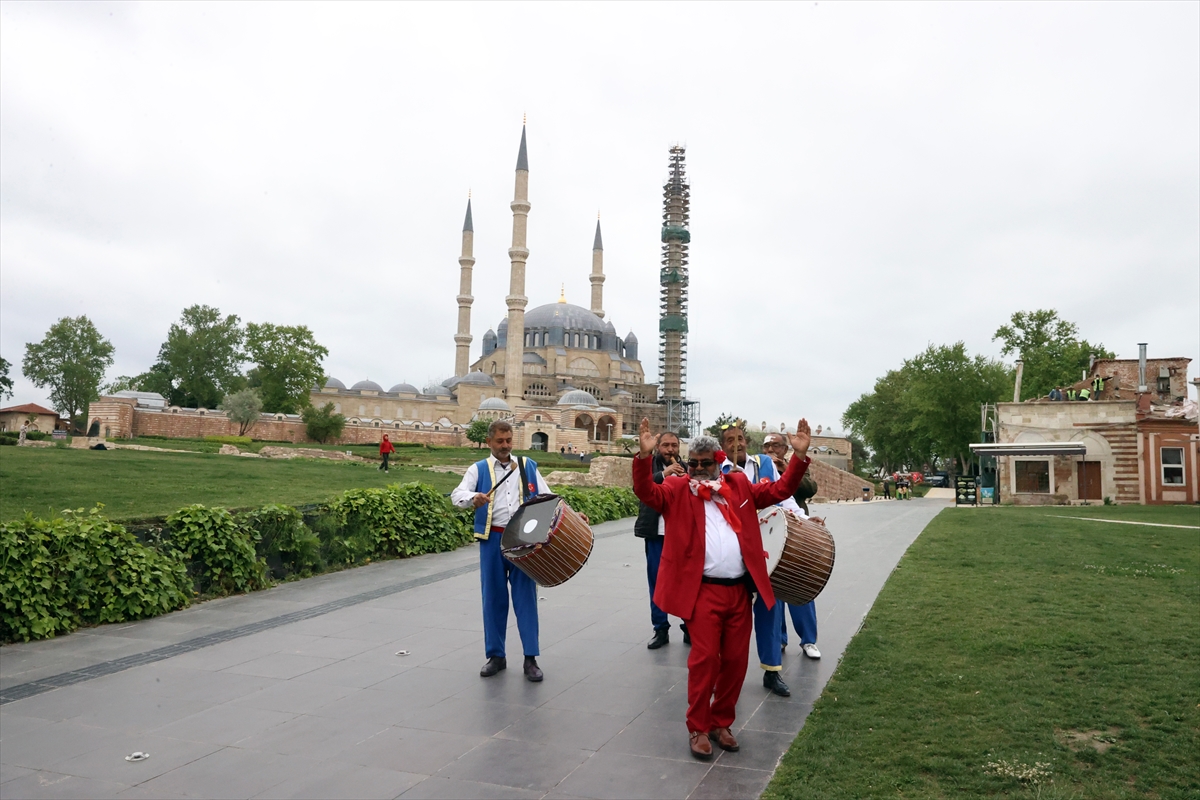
867, 179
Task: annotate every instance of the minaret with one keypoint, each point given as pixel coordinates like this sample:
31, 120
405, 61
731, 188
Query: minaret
597, 276
673, 322
462, 339
514, 379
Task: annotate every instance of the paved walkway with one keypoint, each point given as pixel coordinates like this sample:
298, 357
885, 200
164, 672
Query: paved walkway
302, 690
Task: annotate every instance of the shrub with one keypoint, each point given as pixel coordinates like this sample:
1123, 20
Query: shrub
341, 544
600, 505
80, 569
284, 540
242, 407
323, 424
240, 441
402, 520
218, 551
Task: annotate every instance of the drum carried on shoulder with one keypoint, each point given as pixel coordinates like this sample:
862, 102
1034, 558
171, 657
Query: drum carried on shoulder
547, 540
800, 554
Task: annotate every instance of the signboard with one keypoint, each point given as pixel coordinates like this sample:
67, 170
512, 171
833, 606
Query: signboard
964, 490
58, 433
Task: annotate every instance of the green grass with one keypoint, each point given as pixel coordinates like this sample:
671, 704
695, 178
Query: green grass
1002, 632
136, 484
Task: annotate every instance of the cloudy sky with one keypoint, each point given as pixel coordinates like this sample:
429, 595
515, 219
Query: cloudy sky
867, 179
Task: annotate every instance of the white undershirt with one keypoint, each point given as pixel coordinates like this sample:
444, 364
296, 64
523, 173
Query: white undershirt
722, 550
507, 498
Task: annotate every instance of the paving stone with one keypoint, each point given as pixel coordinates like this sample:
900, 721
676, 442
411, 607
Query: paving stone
576, 729
727, 783
333, 781
521, 765
435, 788
226, 724
295, 696
615, 776
315, 738
411, 750
280, 665
107, 761
473, 718
56, 785
230, 772
37, 749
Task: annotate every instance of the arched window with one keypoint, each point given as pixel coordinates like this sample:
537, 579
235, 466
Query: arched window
492, 367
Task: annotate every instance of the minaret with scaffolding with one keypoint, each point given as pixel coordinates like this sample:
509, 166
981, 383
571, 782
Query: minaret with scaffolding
673, 298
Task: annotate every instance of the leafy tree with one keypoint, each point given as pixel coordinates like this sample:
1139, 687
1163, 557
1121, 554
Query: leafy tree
477, 431
6, 384
201, 360
322, 424
1050, 348
724, 419
71, 360
243, 408
879, 418
287, 365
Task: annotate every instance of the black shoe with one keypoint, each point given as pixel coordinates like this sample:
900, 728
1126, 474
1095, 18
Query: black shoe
493, 666
661, 637
687, 637
532, 672
772, 681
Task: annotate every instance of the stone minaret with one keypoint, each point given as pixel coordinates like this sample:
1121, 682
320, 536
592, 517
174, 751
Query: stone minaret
597, 276
514, 379
462, 339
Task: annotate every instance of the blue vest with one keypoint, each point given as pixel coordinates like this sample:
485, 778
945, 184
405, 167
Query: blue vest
487, 479
766, 467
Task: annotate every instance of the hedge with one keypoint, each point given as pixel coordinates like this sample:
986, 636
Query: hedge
600, 505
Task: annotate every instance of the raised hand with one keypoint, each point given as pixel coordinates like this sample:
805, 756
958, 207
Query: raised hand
801, 439
646, 439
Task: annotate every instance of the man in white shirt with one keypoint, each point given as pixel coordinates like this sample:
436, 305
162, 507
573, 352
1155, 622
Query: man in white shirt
495, 487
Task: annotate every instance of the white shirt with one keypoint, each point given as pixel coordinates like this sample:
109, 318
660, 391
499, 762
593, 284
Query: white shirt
751, 472
507, 498
722, 551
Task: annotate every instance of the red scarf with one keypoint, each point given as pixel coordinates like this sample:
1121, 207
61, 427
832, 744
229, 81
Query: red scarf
712, 490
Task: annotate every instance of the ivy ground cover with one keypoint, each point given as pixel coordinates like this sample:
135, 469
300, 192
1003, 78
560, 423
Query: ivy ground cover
1019, 653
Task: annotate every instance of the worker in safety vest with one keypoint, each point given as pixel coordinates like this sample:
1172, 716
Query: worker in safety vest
1097, 386
1085, 394
1072, 394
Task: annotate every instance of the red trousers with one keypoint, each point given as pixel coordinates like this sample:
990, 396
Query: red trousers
720, 628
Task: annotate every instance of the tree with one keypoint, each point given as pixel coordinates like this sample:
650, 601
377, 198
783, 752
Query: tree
6, 384
322, 424
880, 419
724, 419
200, 362
243, 408
287, 365
1052, 353
71, 360
477, 431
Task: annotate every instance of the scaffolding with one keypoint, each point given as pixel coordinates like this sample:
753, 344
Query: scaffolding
682, 413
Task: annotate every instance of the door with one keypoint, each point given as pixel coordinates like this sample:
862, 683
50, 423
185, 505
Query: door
1089, 481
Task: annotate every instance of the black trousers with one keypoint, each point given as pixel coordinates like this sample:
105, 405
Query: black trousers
384, 465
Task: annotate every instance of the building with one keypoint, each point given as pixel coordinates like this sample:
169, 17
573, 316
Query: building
43, 419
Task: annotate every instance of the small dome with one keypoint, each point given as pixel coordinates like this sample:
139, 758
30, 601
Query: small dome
475, 378
609, 327
578, 397
631, 338
334, 383
403, 387
367, 386
503, 326
621, 392
490, 336
494, 404
437, 390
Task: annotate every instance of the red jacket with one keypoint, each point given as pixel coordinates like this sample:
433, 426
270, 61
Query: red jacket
682, 563
386, 447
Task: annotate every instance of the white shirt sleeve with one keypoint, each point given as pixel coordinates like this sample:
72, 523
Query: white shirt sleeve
791, 505
464, 494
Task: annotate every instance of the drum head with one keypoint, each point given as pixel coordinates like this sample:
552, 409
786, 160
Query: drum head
532, 523
772, 524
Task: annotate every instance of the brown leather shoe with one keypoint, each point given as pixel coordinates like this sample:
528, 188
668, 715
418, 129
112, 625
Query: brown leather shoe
725, 739
701, 746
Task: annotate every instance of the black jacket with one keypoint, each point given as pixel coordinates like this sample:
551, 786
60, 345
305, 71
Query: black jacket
646, 526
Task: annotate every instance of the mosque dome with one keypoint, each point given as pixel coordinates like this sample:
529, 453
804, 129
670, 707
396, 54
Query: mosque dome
610, 328
631, 338
476, 378
503, 326
564, 315
494, 404
366, 386
490, 336
334, 383
578, 397
403, 387
437, 390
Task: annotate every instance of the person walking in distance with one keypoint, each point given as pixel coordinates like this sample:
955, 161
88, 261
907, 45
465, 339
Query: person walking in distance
713, 559
385, 450
649, 527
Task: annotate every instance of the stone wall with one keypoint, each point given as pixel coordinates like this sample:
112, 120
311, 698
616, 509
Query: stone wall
1125, 373
837, 484
603, 471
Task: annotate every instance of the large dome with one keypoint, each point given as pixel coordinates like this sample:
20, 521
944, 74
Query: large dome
334, 383
563, 315
403, 387
369, 386
578, 397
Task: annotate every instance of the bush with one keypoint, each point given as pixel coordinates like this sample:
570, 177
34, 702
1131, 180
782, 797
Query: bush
81, 569
219, 552
402, 520
288, 547
323, 424
240, 441
600, 505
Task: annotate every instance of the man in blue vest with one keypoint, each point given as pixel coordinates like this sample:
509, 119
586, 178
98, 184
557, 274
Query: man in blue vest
495, 487
768, 622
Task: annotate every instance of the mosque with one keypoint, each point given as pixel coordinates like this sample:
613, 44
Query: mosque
559, 372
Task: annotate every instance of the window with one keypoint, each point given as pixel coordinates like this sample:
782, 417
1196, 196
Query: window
1172, 466
1033, 477
1164, 384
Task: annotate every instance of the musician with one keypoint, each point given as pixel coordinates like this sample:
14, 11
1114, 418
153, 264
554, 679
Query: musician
768, 621
650, 528
712, 559
495, 487
804, 618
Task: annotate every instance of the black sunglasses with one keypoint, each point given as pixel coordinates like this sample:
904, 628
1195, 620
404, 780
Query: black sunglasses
705, 464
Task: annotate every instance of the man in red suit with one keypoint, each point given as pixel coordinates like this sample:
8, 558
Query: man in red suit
712, 560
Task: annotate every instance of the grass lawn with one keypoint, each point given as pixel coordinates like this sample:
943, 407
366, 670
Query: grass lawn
136, 484
1013, 653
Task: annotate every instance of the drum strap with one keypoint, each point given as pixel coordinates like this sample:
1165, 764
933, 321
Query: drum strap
524, 479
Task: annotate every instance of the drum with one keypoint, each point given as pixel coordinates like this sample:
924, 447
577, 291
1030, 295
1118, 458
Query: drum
547, 540
799, 553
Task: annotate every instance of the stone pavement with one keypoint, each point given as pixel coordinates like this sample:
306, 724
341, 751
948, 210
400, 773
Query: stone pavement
301, 691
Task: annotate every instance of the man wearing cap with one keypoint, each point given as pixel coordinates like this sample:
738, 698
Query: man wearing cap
712, 559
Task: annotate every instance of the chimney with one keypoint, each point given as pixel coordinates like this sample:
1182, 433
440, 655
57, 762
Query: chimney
1142, 367
1017, 385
